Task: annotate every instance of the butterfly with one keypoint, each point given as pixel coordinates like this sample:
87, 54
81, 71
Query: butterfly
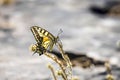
45, 40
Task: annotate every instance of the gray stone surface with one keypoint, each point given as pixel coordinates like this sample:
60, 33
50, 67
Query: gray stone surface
82, 32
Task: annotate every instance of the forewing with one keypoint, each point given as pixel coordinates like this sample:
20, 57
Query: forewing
35, 31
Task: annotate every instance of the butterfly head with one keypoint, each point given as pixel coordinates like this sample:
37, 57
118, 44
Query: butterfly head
37, 49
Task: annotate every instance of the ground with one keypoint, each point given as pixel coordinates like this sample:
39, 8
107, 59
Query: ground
83, 31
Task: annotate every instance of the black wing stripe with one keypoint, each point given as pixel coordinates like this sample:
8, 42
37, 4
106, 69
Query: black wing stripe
36, 34
43, 31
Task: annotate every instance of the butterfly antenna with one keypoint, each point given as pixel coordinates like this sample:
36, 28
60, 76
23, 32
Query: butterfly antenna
60, 31
58, 40
34, 53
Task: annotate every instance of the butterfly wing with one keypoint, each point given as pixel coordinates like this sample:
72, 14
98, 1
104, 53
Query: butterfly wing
48, 40
36, 35
53, 41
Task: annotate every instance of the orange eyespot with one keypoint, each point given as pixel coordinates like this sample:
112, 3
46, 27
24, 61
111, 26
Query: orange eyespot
33, 48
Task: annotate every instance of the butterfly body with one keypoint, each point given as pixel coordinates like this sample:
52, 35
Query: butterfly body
38, 49
45, 40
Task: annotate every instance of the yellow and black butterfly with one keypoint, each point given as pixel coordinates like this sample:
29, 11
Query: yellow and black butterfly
45, 40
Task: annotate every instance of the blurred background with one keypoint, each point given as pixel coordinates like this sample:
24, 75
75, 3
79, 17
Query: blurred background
91, 27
